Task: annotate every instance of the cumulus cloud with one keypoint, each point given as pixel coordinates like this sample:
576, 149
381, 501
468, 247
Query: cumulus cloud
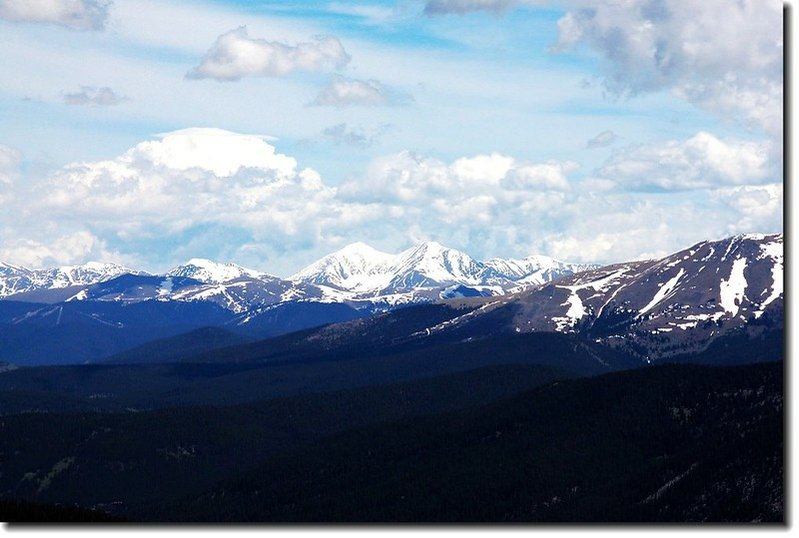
72, 14
481, 201
343, 92
546, 176
702, 161
759, 207
94, 96
235, 55
186, 178
342, 135
724, 57
602, 140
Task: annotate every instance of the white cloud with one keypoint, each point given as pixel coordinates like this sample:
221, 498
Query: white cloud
185, 179
72, 14
484, 203
546, 176
603, 139
215, 150
759, 207
343, 92
408, 177
94, 96
235, 55
703, 161
724, 57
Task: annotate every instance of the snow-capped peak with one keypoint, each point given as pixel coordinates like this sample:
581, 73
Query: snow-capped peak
356, 266
366, 272
212, 272
431, 263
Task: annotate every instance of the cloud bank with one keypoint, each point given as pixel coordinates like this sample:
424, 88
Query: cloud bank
193, 188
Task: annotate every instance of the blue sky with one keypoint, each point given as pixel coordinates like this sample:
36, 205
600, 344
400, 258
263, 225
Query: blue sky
502, 128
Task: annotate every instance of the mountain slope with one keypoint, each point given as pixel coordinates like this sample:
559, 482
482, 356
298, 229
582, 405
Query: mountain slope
656, 308
669, 443
119, 459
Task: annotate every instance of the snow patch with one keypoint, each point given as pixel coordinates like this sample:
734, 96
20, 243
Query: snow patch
664, 290
80, 296
775, 252
576, 309
731, 291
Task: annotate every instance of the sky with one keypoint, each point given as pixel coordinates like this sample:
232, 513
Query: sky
149, 132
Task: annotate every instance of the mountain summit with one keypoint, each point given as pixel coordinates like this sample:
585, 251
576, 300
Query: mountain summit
356, 267
365, 272
209, 272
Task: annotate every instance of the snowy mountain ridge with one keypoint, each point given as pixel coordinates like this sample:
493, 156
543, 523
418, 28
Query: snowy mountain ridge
367, 273
357, 274
211, 272
17, 279
703, 290
655, 308
652, 309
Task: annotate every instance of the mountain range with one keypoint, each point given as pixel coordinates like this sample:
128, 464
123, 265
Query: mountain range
651, 308
357, 274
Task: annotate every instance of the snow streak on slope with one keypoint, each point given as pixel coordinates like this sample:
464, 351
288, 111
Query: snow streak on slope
732, 290
575, 312
775, 252
664, 290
